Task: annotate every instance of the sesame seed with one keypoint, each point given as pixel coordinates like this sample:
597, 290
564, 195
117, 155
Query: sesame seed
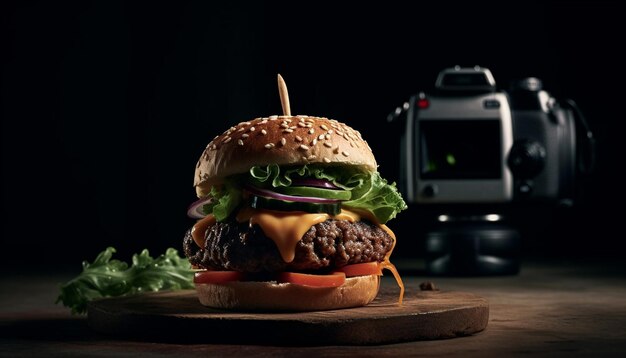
298, 138
304, 147
226, 140
311, 157
240, 142
340, 133
213, 147
273, 118
269, 146
241, 129
252, 129
247, 123
301, 119
245, 135
302, 115
302, 124
264, 121
309, 125
284, 125
326, 160
288, 130
324, 127
311, 131
321, 136
328, 144
263, 131
314, 142
330, 131
345, 154
288, 120
215, 137
304, 158
283, 141
283, 117
327, 136
293, 127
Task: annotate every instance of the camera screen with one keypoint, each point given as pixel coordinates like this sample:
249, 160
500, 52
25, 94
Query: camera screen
460, 149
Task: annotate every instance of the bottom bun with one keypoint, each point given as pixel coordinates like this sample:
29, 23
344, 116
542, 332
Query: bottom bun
272, 296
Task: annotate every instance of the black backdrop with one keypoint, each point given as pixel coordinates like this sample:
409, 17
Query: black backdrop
106, 106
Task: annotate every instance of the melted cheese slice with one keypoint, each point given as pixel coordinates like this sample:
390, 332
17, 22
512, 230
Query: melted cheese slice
287, 228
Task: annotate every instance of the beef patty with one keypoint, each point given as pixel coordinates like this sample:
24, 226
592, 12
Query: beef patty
330, 244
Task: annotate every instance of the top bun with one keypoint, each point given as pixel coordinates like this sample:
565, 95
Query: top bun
282, 140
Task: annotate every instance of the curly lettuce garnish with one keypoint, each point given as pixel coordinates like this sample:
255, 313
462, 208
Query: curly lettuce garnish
110, 278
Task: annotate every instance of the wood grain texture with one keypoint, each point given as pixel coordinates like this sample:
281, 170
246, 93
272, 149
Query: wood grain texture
178, 317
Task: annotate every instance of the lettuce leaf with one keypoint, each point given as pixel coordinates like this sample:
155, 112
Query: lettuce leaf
109, 278
368, 191
376, 196
225, 199
345, 178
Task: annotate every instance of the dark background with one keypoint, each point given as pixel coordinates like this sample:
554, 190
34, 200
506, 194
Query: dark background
106, 106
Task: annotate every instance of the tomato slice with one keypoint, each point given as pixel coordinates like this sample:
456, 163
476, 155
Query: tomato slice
364, 269
209, 276
334, 279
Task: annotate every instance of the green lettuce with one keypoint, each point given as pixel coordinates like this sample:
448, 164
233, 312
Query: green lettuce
109, 278
225, 199
275, 176
368, 191
379, 198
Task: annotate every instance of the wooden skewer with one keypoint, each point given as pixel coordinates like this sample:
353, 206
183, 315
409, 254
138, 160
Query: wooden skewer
284, 96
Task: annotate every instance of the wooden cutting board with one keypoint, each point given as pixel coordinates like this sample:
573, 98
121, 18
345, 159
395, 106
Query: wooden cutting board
179, 317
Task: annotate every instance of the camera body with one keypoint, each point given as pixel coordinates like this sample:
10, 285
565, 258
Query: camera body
470, 149
468, 142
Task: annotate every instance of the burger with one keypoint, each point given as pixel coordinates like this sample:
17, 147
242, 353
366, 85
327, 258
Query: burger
291, 216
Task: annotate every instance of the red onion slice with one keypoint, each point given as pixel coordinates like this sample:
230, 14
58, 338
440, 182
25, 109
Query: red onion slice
304, 199
318, 183
195, 209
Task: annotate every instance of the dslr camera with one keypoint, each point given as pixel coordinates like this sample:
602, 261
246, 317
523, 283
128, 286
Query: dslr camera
469, 143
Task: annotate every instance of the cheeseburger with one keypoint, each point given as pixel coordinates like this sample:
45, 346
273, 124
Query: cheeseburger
292, 214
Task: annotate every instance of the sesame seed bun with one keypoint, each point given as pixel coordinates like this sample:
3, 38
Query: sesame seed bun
355, 292
282, 140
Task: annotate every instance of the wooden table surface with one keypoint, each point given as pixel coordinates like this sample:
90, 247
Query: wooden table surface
550, 309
